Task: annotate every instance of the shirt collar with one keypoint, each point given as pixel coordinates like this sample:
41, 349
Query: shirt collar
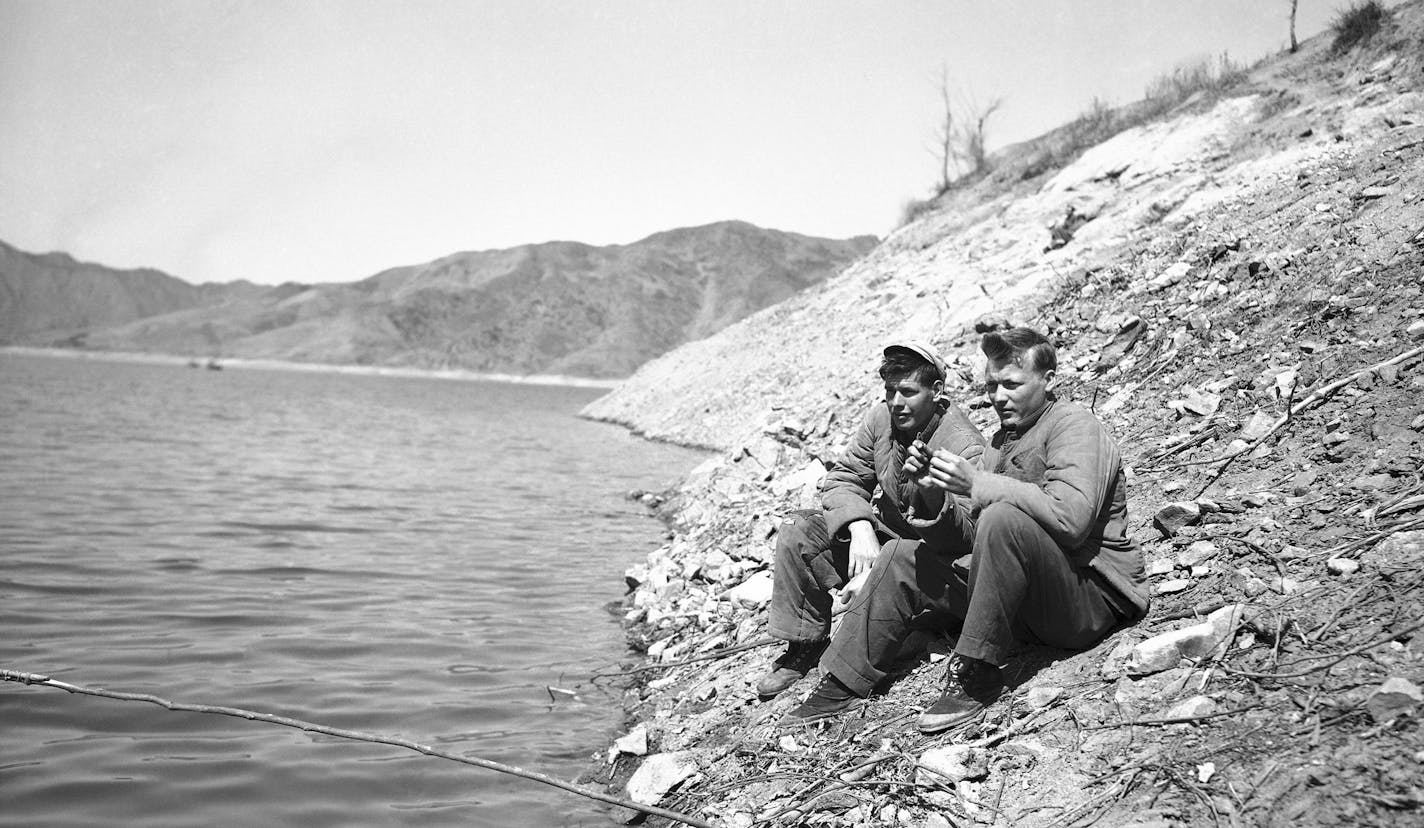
1024, 426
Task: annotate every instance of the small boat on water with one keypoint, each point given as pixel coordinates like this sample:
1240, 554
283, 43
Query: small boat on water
214, 365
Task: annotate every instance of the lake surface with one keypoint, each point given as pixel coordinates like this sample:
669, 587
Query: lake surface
414, 557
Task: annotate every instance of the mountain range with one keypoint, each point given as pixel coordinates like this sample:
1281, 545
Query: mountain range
562, 308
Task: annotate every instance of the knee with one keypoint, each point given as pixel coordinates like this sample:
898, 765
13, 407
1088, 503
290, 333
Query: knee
900, 556
795, 532
999, 518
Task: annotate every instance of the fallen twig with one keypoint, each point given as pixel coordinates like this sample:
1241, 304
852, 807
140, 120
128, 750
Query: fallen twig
1318, 395
37, 680
1336, 658
1174, 719
712, 656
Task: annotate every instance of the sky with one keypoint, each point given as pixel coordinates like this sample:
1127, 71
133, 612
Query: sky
326, 140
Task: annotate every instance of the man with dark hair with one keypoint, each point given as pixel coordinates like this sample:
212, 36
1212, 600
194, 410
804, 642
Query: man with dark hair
869, 501
1046, 508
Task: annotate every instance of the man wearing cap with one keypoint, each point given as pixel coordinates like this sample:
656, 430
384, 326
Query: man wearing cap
1051, 561
869, 502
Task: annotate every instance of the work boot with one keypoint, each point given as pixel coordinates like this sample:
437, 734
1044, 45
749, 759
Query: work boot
829, 699
794, 664
970, 685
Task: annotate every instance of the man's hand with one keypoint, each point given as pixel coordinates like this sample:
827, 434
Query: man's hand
917, 459
864, 548
948, 471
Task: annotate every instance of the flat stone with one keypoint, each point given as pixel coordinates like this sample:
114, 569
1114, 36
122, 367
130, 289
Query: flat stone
1161, 566
634, 743
1197, 553
950, 764
1162, 652
1172, 517
754, 591
1191, 708
1258, 426
1171, 585
659, 774
1040, 697
1415, 329
1395, 697
1402, 549
1342, 566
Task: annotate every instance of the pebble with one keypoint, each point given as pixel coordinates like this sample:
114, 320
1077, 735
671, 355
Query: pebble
1041, 697
952, 763
1396, 696
1342, 566
1172, 585
1172, 517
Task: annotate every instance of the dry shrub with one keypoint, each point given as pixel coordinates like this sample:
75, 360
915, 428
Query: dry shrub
1357, 24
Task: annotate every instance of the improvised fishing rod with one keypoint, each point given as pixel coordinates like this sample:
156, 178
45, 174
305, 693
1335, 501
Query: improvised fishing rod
38, 680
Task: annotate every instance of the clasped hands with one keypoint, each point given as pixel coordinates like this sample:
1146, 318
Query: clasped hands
942, 469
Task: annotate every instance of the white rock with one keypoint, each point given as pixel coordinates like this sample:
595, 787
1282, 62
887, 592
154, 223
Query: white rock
1161, 566
754, 591
1197, 553
1041, 697
659, 774
1257, 427
1162, 652
1393, 698
1172, 585
952, 763
1191, 708
1205, 771
1172, 275
634, 743
1342, 566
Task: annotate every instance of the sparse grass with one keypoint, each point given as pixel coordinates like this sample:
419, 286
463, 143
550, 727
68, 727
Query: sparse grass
914, 208
1357, 24
1207, 79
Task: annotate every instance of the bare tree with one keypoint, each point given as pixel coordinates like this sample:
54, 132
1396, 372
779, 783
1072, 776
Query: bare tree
959, 141
1294, 44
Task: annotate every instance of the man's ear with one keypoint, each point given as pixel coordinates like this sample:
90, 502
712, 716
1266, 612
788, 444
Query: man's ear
1049, 378
937, 388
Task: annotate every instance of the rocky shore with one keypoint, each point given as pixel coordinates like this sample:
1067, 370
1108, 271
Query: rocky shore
1240, 301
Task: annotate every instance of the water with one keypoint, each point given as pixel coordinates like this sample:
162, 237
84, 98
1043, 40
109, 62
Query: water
410, 556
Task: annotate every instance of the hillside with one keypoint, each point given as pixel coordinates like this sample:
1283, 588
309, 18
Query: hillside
1240, 301
51, 297
556, 308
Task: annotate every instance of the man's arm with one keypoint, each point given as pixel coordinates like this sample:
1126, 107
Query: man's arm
846, 491
1082, 462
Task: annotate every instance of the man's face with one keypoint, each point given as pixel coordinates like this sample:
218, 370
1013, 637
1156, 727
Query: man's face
911, 402
1017, 393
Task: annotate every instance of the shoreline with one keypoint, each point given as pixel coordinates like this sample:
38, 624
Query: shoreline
315, 367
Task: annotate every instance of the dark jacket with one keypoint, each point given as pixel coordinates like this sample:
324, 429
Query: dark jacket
867, 483
1064, 470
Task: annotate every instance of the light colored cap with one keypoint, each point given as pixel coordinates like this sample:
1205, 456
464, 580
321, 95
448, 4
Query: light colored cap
923, 349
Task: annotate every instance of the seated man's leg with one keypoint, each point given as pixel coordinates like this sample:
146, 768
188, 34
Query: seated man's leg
908, 578
1018, 576
808, 565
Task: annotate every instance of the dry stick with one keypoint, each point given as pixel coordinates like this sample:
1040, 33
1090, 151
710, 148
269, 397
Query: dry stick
1336, 658
723, 653
237, 712
1174, 719
1314, 397
1351, 546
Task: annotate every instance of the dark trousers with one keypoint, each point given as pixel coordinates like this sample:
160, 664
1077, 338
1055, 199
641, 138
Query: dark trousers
1020, 584
809, 563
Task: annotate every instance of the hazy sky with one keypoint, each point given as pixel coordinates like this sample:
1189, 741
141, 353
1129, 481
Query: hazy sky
324, 140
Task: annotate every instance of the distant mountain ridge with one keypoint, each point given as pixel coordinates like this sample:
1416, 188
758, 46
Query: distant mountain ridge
46, 298
553, 308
